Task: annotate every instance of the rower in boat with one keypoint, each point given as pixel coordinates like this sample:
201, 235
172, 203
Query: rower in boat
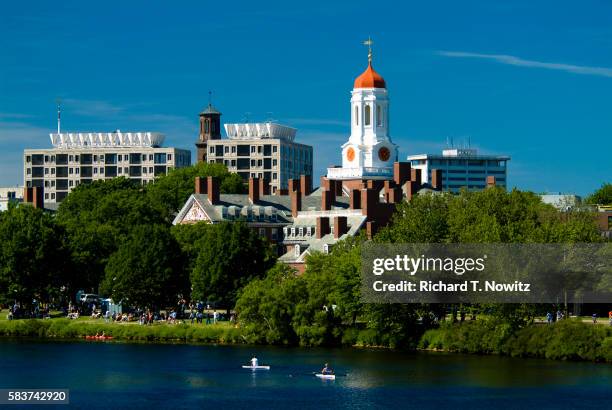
327, 370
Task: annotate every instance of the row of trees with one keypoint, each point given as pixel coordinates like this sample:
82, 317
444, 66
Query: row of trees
117, 238
323, 306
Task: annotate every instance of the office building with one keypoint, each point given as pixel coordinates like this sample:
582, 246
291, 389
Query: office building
78, 158
462, 168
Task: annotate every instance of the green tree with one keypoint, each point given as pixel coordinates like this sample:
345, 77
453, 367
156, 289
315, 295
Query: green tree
147, 269
169, 192
229, 256
99, 216
266, 307
603, 196
34, 262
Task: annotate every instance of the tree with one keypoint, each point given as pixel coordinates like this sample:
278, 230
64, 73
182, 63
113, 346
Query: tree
147, 269
229, 256
34, 262
266, 306
99, 216
169, 192
603, 196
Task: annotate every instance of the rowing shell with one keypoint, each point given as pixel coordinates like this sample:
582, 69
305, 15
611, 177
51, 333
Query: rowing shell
326, 376
256, 367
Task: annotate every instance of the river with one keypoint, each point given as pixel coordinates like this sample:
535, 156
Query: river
113, 375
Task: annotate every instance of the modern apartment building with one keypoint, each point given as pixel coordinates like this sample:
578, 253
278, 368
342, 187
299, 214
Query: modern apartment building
462, 168
262, 150
78, 158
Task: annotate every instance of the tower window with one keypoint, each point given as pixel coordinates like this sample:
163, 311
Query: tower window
356, 115
367, 114
378, 116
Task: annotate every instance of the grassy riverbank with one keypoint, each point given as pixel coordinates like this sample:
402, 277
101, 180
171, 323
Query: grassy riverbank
70, 329
565, 340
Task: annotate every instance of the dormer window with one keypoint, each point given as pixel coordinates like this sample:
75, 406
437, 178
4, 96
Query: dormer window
309, 231
292, 232
301, 231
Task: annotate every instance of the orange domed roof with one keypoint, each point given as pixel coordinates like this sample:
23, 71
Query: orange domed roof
370, 79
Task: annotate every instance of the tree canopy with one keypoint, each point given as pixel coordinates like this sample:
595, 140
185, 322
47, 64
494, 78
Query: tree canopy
229, 256
34, 263
603, 196
147, 269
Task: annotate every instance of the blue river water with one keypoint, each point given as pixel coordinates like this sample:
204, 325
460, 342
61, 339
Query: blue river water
110, 375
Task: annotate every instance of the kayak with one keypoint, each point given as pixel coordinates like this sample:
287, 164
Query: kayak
256, 367
326, 376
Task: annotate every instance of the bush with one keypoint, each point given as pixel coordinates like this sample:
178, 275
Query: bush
565, 340
67, 329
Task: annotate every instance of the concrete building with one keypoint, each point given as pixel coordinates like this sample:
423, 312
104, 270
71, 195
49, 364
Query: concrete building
265, 150
462, 168
10, 195
78, 158
563, 202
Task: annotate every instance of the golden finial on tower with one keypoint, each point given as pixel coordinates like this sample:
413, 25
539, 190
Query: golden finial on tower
369, 43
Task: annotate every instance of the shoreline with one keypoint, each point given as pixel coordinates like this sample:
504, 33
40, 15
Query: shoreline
440, 340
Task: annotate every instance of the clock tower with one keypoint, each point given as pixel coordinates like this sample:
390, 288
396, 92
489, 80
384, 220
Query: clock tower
369, 152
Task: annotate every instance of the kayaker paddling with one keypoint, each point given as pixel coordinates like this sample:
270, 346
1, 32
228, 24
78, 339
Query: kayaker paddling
327, 370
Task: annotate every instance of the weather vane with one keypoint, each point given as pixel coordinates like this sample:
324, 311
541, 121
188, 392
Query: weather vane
369, 43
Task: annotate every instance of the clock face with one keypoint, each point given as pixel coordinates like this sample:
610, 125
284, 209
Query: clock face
384, 154
350, 154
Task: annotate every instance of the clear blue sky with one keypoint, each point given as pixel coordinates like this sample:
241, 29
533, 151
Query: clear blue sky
529, 79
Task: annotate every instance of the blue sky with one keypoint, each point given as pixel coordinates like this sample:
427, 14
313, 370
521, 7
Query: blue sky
532, 80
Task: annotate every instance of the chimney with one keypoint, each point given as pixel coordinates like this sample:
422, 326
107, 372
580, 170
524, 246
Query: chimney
355, 199
322, 226
394, 195
340, 226
254, 190
491, 181
401, 172
296, 203
294, 185
338, 188
28, 195
370, 229
411, 188
201, 185
264, 187
326, 200
436, 179
369, 200
305, 184
325, 183
213, 190
415, 175
37, 196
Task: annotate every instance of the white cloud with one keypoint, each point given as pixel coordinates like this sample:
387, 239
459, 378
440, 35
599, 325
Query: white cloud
519, 62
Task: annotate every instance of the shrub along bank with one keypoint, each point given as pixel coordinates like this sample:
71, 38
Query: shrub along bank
66, 329
565, 340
